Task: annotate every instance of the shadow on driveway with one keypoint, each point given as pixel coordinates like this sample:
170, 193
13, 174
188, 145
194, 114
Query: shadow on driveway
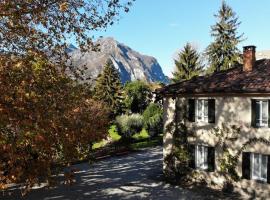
134, 176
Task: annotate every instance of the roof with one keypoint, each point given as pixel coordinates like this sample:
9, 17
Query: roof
233, 80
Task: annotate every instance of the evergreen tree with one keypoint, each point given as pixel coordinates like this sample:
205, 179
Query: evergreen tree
187, 64
108, 88
138, 96
223, 52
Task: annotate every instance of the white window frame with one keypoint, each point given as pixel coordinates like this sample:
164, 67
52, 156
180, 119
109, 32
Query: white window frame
204, 117
253, 176
199, 164
259, 122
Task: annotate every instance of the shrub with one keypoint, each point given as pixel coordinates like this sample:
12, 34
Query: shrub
152, 117
128, 125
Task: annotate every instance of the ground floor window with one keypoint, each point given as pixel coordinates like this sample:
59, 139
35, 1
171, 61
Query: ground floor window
259, 166
201, 154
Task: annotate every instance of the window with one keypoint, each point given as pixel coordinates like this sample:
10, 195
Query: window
201, 157
259, 167
202, 110
260, 113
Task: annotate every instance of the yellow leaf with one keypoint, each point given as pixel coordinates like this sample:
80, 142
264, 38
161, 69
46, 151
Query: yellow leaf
63, 7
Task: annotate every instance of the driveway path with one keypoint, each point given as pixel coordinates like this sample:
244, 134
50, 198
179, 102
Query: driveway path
134, 176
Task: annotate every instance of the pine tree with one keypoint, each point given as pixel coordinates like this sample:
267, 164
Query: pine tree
108, 88
187, 64
223, 52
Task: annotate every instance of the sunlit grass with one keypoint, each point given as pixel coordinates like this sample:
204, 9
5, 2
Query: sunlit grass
142, 135
114, 136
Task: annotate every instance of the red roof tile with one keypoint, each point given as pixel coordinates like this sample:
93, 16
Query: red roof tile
234, 80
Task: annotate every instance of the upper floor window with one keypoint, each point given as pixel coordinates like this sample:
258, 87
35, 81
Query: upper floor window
201, 110
260, 113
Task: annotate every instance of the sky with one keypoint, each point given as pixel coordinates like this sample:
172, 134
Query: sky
160, 28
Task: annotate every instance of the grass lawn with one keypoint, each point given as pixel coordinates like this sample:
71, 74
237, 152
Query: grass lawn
112, 134
115, 137
147, 143
142, 135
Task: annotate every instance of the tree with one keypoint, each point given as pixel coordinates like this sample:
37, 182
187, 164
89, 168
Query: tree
36, 26
187, 64
108, 88
152, 117
223, 52
45, 119
138, 96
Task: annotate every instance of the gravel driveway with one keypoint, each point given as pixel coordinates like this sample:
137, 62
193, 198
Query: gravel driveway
134, 176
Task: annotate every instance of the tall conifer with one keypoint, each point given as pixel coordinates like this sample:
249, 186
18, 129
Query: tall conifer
108, 88
223, 52
187, 64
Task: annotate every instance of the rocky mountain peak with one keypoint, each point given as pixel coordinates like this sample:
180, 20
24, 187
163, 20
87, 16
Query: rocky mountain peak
130, 64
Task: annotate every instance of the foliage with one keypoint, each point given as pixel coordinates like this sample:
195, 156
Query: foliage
113, 133
141, 135
153, 119
147, 143
108, 88
45, 118
138, 96
177, 162
228, 162
128, 125
223, 52
37, 26
113, 136
188, 64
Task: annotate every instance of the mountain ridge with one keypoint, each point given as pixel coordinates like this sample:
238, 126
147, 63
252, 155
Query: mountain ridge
131, 64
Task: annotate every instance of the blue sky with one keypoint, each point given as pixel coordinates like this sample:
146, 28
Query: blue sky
160, 28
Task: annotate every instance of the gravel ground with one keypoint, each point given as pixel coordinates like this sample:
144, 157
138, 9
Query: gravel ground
134, 176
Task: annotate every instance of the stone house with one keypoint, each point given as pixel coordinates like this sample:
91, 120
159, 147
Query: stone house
238, 97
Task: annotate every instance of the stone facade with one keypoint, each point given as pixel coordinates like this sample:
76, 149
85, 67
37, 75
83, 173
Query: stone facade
230, 110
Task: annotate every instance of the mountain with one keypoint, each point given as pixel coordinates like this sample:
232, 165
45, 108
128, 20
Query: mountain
130, 64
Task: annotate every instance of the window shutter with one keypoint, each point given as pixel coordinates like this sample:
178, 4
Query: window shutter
191, 151
268, 170
253, 113
191, 110
246, 168
268, 113
211, 110
211, 159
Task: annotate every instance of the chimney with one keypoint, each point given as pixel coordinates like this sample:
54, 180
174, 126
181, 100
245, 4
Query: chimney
249, 58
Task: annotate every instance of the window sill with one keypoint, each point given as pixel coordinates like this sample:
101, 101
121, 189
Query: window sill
202, 123
259, 180
260, 127
201, 168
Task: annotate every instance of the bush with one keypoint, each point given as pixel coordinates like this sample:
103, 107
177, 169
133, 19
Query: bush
128, 125
152, 117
